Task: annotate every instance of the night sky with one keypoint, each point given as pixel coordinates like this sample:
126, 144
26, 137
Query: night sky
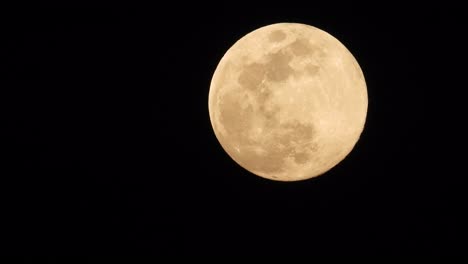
110, 149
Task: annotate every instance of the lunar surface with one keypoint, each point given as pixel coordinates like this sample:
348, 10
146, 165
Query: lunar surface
288, 102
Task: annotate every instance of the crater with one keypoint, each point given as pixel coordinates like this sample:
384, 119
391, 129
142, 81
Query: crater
269, 111
289, 140
312, 69
296, 132
235, 118
301, 157
302, 47
292, 140
278, 68
277, 36
263, 94
270, 161
252, 76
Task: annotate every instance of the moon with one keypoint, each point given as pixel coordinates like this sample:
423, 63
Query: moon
288, 102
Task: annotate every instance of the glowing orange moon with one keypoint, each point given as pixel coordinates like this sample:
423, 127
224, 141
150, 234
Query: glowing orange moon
288, 102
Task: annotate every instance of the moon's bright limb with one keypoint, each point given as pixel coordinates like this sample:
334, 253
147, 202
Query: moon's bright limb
288, 102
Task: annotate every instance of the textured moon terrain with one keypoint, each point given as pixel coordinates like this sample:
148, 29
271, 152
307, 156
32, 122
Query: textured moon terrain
288, 102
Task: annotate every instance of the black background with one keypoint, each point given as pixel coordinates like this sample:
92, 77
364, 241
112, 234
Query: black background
109, 146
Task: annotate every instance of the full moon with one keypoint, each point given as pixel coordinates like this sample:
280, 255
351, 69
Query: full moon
288, 102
